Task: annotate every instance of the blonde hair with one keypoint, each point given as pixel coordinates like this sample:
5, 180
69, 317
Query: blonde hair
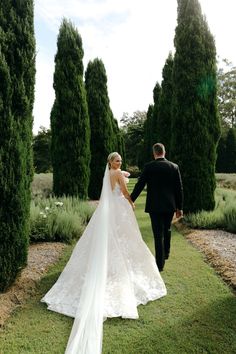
111, 157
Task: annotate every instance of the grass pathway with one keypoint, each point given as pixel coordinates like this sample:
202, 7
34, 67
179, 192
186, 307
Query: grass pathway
197, 316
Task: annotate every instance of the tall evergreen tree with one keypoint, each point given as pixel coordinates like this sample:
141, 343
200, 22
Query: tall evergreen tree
122, 150
102, 139
151, 124
17, 77
195, 125
227, 94
221, 161
148, 135
69, 117
155, 114
118, 141
230, 156
165, 108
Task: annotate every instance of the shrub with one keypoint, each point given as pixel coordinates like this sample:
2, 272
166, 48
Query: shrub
41, 185
222, 217
58, 220
134, 171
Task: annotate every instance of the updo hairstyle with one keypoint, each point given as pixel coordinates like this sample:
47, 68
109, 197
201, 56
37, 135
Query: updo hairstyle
111, 157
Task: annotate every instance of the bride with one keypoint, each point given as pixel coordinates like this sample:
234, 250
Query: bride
111, 270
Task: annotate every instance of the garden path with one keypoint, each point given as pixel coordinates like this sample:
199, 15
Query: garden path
219, 248
40, 257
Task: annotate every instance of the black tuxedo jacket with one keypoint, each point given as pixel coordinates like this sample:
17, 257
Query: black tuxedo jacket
164, 186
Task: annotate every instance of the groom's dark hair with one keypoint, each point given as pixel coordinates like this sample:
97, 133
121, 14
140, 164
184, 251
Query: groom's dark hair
159, 149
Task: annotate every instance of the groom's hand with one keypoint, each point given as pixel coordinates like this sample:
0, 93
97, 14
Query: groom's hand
179, 213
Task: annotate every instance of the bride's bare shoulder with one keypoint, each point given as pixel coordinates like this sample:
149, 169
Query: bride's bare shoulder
115, 176
115, 173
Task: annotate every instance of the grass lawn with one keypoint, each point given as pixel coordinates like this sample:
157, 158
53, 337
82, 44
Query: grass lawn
198, 315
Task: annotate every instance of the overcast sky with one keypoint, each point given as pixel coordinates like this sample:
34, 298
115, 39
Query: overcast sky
133, 39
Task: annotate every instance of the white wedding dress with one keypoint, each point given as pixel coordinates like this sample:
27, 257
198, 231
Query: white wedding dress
110, 272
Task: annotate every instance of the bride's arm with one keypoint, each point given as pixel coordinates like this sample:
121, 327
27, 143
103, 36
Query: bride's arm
123, 188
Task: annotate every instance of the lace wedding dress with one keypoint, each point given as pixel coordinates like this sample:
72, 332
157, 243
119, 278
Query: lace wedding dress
110, 272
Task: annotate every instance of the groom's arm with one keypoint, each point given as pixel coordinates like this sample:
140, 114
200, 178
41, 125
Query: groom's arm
139, 185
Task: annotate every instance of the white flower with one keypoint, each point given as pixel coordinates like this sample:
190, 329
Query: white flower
58, 203
44, 216
47, 208
41, 213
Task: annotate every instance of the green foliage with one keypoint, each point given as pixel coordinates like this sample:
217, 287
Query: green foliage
226, 151
133, 134
148, 138
154, 138
227, 94
102, 124
221, 152
118, 144
195, 120
69, 117
41, 185
230, 155
134, 171
42, 151
165, 108
222, 217
151, 125
17, 77
58, 220
53, 219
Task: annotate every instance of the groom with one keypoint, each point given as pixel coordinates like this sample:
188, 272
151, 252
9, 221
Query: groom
164, 197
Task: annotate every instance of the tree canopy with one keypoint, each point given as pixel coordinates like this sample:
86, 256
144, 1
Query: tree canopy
227, 94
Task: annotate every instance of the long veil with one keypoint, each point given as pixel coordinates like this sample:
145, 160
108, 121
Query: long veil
87, 330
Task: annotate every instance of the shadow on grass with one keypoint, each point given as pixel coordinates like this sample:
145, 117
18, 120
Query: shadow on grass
199, 332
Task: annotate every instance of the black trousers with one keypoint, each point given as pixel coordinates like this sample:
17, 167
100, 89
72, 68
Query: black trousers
161, 224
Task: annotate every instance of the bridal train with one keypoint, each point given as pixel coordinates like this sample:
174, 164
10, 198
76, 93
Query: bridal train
110, 272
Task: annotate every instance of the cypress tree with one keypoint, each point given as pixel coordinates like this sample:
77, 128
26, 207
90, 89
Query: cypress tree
148, 138
118, 141
195, 122
151, 124
156, 114
115, 133
230, 156
102, 140
122, 151
165, 109
17, 77
221, 160
69, 117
